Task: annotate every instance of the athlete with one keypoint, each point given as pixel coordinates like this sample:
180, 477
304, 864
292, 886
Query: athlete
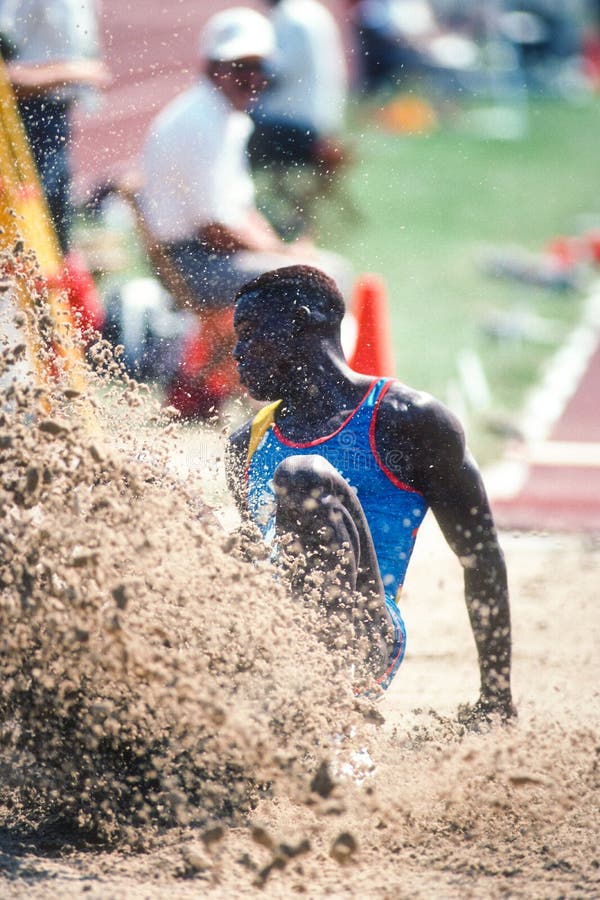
340, 468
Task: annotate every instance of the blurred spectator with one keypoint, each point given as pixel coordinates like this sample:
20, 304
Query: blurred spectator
300, 116
52, 59
197, 195
392, 36
400, 38
543, 32
591, 44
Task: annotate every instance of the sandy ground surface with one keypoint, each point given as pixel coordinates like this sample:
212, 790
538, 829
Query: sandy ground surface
510, 813
171, 726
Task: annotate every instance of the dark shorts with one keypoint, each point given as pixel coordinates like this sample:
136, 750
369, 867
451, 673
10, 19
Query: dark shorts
213, 279
48, 130
279, 142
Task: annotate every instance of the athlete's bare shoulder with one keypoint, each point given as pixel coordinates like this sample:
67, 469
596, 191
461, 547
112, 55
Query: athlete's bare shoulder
405, 406
422, 432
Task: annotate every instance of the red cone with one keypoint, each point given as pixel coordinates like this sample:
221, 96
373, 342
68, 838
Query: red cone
373, 353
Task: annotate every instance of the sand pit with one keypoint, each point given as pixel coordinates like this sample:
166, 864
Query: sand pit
170, 725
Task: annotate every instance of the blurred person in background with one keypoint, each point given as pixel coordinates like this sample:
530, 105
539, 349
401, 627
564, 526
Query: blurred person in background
52, 53
591, 44
391, 37
545, 40
300, 116
442, 40
197, 194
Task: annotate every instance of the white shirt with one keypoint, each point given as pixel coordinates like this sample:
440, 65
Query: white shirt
53, 31
194, 165
310, 66
46, 31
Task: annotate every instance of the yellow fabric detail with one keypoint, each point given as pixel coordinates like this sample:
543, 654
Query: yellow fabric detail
397, 597
261, 423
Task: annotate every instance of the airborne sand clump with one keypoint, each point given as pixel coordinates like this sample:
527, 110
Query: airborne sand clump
170, 722
150, 672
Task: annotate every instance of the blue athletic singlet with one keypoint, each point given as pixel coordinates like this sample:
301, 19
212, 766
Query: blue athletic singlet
393, 510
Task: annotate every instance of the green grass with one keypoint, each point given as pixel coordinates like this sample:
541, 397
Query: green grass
430, 205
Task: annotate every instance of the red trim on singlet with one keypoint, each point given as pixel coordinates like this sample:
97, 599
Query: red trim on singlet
392, 662
321, 440
395, 481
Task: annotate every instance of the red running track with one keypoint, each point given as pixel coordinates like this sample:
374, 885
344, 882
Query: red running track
562, 491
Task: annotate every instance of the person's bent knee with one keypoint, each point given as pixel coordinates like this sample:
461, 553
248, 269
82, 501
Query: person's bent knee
299, 478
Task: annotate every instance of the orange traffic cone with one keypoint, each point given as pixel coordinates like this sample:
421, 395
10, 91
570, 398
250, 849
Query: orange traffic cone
372, 353
592, 239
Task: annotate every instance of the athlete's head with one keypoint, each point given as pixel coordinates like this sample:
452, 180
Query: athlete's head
282, 319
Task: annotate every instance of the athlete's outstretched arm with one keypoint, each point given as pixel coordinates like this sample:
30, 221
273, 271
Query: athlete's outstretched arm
441, 467
461, 507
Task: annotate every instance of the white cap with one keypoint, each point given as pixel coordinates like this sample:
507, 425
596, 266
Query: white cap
237, 33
